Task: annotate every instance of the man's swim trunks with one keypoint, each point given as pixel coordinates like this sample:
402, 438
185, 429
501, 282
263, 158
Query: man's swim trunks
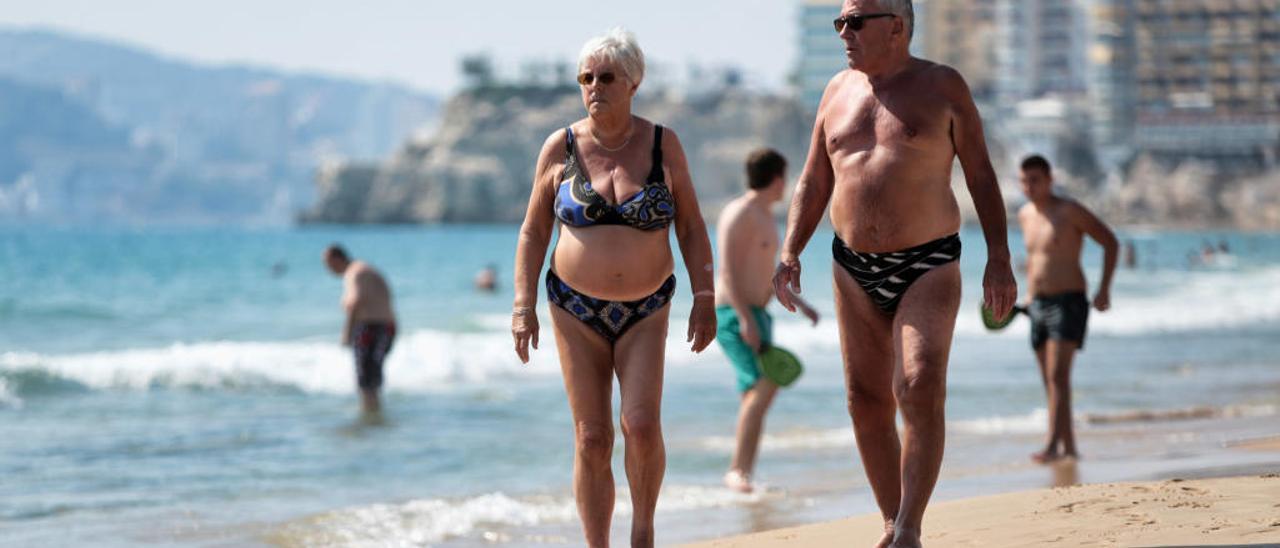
372, 342
1063, 317
887, 276
741, 355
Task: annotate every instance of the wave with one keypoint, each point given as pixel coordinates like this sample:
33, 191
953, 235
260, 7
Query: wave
1033, 422
491, 516
423, 361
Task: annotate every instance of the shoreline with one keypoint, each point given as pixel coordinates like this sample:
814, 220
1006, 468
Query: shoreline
1241, 509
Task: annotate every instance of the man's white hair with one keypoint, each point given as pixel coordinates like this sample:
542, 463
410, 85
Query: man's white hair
903, 9
617, 46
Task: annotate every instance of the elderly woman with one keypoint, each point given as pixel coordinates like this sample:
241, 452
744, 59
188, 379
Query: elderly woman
616, 182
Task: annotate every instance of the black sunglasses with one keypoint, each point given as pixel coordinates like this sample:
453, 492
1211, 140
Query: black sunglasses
856, 22
605, 78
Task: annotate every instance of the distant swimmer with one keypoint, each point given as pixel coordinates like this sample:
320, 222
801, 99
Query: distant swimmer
1054, 230
370, 328
748, 235
1130, 255
486, 279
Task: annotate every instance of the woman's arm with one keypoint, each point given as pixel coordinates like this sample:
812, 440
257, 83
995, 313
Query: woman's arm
695, 246
531, 248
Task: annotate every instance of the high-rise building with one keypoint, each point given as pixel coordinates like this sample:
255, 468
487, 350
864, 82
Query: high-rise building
1040, 50
961, 34
1110, 78
1208, 79
821, 51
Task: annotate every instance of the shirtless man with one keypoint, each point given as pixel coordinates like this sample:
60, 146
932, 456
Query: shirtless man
886, 134
371, 324
1054, 230
748, 246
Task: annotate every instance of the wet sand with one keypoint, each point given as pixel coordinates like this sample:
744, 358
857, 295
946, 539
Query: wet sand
1224, 511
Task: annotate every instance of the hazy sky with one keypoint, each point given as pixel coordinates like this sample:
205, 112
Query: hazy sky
419, 42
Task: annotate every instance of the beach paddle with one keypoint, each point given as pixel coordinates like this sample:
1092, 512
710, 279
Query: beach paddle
989, 319
780, 366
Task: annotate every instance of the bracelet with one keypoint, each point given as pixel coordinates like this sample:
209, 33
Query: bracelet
704, 293
521, 310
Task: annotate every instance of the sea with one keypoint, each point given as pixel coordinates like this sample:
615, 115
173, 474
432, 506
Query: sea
186, 386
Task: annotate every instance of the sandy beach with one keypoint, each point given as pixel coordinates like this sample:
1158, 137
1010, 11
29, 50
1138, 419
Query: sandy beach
1237, 511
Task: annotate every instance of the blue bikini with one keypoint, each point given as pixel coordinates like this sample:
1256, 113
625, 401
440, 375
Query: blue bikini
579, 206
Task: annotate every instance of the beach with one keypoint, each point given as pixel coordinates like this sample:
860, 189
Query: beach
1241, 511
186, 387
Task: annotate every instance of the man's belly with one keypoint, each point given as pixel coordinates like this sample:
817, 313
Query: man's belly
887, 214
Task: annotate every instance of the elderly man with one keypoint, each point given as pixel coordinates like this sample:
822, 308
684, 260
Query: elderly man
885, 136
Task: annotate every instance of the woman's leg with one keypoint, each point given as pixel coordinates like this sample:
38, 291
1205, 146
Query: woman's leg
638, 358
586, 361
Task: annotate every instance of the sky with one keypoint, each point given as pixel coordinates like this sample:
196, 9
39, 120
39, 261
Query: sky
419, 42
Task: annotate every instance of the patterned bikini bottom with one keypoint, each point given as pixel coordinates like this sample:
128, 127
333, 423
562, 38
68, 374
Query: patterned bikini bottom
608, 318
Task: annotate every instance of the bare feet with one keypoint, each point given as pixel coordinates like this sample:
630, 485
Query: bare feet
1045, 457
906, 538
738, 481
887, 539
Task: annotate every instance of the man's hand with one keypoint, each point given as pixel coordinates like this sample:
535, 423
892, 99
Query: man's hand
809, 312
702, 323
524, 329
1102, 301
999, 289
786, 282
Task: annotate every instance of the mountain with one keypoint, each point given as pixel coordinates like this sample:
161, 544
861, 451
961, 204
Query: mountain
189, 142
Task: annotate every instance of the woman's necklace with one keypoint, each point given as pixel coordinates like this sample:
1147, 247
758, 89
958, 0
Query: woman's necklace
620, 147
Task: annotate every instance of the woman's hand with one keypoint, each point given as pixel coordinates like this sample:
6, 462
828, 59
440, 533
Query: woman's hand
524, 329
702, 323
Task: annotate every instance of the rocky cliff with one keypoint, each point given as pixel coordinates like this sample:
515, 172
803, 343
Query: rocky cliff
479, 164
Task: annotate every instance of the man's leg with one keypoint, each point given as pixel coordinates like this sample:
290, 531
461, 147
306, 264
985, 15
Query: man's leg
1050, 451
922, 331
866, 338
586, 363
369, 403
1059, 355
638, 361
751, 412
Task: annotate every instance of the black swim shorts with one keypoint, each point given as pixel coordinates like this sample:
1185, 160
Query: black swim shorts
372, 342
1064, 317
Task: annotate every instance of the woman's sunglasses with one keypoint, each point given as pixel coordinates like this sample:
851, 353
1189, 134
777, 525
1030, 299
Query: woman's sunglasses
605, 78
856, 22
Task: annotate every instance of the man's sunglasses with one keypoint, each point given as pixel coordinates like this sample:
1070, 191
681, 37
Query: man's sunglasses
856, 22
605, 78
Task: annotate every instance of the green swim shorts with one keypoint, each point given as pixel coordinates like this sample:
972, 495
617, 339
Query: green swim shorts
741, 355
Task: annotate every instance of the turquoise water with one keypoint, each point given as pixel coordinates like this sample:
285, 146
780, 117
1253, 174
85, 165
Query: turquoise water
186, 386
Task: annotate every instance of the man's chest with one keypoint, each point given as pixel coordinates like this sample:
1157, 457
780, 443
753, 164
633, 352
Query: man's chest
868, 121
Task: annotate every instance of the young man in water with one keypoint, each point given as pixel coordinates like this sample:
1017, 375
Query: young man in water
1054, 230
748, 233
370, 326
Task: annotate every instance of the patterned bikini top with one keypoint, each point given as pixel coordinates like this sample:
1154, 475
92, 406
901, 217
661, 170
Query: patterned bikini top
578, 205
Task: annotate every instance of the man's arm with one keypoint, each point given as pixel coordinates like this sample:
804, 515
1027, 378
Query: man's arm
808, 202
1093, 226
734, 232
1000, 291
350, 302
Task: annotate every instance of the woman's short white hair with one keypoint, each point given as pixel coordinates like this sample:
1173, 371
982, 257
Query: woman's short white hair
617, 46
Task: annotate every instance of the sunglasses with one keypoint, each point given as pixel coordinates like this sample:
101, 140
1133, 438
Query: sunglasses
605, 78
856, 22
